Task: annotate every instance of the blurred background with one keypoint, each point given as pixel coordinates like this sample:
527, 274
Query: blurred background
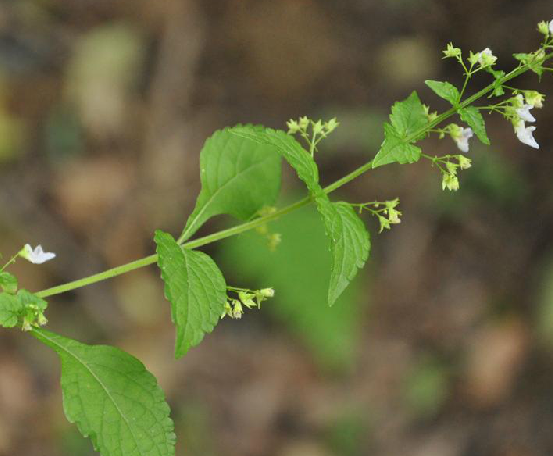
442, 346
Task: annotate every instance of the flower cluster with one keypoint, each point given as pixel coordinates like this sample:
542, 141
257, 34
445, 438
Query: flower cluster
385, 211
33, 317
234, 308
311, 131
520, 114
449, 165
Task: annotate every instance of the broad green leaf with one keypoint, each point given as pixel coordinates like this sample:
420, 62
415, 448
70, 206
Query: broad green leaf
408, 116
239, 177
296, 156
11, 309
349, 244
195, 288
112, 398
8, 282
395, 149
444, 90
471, 115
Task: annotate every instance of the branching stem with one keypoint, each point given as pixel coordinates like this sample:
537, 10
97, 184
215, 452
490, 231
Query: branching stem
279, 213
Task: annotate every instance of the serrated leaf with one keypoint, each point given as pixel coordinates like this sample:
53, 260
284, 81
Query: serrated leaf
8, 282
11, 309
349, 244
395, 149
408, 116
112, 399
471, 115
296, 156
444, 90
239, 177
195, 288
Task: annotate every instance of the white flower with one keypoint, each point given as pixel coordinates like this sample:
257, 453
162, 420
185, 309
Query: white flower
524, 113
462, 138
486, 58
524, 134
36, 256
551, 27
523, 110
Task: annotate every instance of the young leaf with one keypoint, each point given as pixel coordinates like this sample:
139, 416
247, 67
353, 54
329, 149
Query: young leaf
112, 398
238, 176
11, 309
408, 116
444, 90
471, 115
394, 149
8, 282
296, 156
195, 288
349, 244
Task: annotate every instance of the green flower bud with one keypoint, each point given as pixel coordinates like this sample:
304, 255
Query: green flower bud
303, 123
451, 51
331, 125
450, 182
293, 127
464, 162
267, 293
543, 28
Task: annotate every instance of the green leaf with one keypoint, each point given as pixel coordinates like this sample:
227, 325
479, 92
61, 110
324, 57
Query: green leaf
408, 116
471, 115
395, 149
238, 176
195, 288
8, 282
112, 398
534, 61
11, 309
349, 244
346, 232
296, 156
299, 271
444, 90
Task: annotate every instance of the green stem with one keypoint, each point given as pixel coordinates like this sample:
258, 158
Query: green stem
11, 261
277, 214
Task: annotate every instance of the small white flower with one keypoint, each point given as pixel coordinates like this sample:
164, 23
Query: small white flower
486, 57
462, 138
525, 135
36, 256
524, 113
551, 27
523, 110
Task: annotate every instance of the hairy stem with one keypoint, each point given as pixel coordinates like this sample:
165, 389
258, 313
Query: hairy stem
277, 214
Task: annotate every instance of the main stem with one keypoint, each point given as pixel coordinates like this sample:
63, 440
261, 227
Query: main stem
275, 215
